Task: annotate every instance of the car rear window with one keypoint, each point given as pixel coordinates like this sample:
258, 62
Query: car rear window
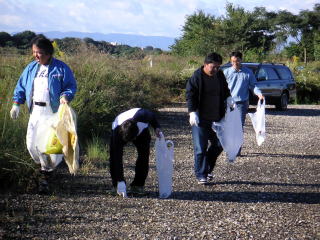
284, 73
267, 73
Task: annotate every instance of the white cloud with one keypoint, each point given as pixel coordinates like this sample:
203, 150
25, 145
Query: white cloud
148, 17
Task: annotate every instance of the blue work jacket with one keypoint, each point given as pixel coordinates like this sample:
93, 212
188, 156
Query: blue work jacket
61, 82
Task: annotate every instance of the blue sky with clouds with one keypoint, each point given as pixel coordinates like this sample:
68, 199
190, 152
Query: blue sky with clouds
145, 17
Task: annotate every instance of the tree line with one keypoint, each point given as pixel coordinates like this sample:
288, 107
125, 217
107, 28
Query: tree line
70, 45
258, 32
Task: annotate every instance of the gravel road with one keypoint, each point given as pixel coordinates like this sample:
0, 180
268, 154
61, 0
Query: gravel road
272, 192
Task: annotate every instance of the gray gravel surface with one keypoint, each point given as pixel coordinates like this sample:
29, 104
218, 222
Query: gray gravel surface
272, 192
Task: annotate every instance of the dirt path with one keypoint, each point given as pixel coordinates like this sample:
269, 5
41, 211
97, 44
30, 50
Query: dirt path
273, 192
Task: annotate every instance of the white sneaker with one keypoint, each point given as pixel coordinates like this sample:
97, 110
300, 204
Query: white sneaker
122, 189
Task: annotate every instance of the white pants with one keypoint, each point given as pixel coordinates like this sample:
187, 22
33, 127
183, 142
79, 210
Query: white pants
47, 164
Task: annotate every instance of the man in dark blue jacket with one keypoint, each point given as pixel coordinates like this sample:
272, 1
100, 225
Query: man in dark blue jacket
132, 125
207, 92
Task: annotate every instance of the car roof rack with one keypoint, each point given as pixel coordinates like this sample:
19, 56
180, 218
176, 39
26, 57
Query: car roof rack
271, 63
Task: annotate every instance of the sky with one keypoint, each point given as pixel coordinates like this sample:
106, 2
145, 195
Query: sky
142, 17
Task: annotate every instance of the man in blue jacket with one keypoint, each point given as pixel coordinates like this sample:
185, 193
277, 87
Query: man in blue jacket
240, 79
132, 125
44, 84
207, 93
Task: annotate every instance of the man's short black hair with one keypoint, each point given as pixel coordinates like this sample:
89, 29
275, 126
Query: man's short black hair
129, 130
213, 57
236, 54
43, 43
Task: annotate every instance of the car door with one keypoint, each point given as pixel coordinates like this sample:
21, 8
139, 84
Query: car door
268, 81
287, 81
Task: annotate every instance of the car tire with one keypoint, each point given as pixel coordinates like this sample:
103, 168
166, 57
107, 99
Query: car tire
282, 104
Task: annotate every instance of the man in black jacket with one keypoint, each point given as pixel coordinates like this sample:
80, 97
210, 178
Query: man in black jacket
207, 92
132, 125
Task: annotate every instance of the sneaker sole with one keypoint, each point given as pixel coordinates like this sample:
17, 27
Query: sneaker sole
203, 183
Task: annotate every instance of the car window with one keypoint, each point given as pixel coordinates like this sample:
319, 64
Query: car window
268, 73
252, 68
284, 73
262, 75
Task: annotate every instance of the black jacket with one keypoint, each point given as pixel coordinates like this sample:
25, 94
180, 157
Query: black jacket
194, 91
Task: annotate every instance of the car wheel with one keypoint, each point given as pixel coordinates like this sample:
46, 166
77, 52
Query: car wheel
283, 102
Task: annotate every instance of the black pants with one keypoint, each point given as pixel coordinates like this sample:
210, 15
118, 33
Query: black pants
142, 143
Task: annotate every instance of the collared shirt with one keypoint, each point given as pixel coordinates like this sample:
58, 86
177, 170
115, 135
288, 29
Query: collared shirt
239, 83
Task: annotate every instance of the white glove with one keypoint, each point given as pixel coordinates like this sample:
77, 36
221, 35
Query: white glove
14, 112
194, 119
231, 103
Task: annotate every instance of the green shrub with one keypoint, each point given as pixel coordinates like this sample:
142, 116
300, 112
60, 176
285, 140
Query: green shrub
308, 83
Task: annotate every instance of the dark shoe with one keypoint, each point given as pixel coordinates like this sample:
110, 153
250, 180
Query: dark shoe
202, 181
44, 182
138, 190
239, 153
112, 191
210, 177
43, 186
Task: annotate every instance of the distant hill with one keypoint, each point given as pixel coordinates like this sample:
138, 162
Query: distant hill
127, 39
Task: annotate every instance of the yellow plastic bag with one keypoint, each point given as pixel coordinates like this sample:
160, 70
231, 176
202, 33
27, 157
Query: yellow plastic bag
53, 145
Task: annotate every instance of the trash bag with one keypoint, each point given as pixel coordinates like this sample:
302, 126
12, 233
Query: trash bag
229, 132
56, 134
164, 165
66, 129
258, 122
47, 141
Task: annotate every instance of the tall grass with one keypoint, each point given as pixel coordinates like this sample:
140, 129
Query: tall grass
96, 155
15, 163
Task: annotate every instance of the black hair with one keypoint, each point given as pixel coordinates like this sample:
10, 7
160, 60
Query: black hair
236, 54
43, 43
213, 57
129, 130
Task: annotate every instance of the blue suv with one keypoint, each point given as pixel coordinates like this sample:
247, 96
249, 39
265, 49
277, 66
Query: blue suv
275, 81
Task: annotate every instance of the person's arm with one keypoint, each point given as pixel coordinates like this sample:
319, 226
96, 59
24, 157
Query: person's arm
252, 85
69, 86
228, 100
225, 87
19, 94
146, 116
192, 96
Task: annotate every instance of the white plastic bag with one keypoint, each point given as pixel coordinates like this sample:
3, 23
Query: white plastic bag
46, 128
164, 165
56, 136
258, 122
46, 140
229, 132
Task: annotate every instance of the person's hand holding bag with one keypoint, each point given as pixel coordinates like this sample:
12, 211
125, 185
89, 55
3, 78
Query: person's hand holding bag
193, 119
63, 100
231, 103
